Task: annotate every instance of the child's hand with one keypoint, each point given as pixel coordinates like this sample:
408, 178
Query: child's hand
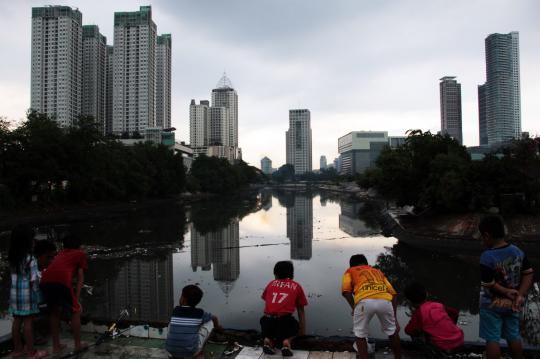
518, 302
511, 294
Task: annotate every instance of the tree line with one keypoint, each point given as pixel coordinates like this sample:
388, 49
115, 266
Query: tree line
435, 172
42, 162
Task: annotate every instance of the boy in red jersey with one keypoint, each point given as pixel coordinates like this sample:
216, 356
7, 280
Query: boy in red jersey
282, 297
57, 288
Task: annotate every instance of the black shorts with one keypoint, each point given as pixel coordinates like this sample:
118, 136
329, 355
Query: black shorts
279, 328
58, 295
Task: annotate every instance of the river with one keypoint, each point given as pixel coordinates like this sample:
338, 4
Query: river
229, 247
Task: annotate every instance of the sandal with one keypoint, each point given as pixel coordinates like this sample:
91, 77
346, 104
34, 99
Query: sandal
286, 352
268, 350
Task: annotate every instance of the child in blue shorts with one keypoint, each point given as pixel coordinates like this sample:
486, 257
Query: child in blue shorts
506, 278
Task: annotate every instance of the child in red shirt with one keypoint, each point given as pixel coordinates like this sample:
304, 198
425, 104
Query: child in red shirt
282, 297
57, 288
432, 320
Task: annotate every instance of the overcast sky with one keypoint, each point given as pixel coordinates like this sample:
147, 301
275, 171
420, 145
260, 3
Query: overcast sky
356, 65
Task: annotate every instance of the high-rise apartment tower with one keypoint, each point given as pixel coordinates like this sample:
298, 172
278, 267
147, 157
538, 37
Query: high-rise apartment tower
134, 102
163, 81
502, 88
298, 141
94, 77
56, 69
450, 93
224, 95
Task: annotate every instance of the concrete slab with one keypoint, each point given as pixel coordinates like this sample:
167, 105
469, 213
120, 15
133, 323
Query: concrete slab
250, 353
320, 355
344, 355
297, 354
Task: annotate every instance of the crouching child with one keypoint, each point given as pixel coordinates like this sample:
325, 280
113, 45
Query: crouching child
190, 327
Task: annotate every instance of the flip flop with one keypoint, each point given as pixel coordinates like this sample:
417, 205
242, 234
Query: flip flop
267, 350
286, 352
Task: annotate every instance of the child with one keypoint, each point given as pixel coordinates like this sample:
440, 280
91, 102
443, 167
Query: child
369, 293
24, 294
57, 288
44, 251
435, 320
506, 276
282, 296
190, 327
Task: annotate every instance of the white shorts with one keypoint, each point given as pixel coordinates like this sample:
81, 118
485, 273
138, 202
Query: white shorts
364, 311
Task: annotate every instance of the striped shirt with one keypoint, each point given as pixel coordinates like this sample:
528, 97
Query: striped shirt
183, 336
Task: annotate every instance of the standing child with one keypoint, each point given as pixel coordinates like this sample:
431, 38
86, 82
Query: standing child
282, 297
369, 293
57, 287
506, 276
24, 295
190, 327
434, 321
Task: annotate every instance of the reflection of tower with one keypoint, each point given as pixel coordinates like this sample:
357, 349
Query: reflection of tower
300, 227
349, 221
266, 200
144, 287
220, 248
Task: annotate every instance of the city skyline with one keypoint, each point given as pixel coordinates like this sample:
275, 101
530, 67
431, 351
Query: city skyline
276, 68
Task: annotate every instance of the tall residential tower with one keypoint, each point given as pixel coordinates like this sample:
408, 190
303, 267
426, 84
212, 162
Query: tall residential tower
163, 81
298, 141
450, 93
502, 88
134, 102
56, 70
94, 76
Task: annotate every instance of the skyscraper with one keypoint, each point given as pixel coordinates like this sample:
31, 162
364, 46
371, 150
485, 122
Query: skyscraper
322, 163
163, 81
266, 165
109, 91
94, 77
450, 93
503, 99
218, 126
482, 120
134, 102
224, 95
56, 68
198, 125
298, 141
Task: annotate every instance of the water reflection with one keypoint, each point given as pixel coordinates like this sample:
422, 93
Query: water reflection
300, 227
351, 222
219, 249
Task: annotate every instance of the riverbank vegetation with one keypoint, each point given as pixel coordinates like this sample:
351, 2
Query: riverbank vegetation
434, 172
42, 163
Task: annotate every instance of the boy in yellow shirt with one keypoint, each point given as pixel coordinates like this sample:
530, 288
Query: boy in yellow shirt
369, 293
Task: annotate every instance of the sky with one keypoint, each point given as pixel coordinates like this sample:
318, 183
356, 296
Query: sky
355, 64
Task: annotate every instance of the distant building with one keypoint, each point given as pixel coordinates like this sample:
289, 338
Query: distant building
337, 164
163, 81
450, 93
186, 152
482, 119
134, 90
396, 141
298, 141
360, 149
266, 165
224, 95
94, 76
502, 88
322, 163
56, 64
198, 124
108, 125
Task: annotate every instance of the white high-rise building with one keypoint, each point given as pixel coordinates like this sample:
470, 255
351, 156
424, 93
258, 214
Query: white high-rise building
56, 70
94, 78
198, 126
109, 91
298, 141
266, 165
163, 81
502, 88
134, 82
218, 126
450, 94
322, 163
224, 95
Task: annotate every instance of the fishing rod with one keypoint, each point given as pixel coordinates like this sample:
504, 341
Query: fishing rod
109, 333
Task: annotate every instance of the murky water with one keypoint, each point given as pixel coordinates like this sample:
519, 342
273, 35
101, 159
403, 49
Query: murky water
229, 248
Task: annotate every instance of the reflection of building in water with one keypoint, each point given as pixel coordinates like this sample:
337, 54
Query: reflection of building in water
144, 287
349, 221
266, 200
218, 250
300, 227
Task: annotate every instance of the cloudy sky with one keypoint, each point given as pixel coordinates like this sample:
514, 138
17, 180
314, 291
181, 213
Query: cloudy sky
357, 65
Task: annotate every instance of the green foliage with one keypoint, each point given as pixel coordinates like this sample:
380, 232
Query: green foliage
284, 173
41, 160
436, 172
217, 175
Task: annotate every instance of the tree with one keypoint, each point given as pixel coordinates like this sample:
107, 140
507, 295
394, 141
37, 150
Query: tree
284, 173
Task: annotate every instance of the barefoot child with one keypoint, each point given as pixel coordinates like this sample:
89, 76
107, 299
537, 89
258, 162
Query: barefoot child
58, 293
190, 327
24, 294
282, 297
